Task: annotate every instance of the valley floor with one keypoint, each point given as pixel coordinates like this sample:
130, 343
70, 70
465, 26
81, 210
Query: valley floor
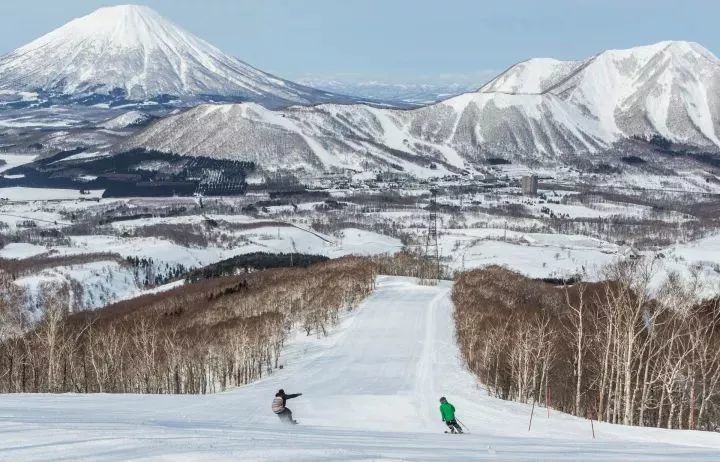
370, 393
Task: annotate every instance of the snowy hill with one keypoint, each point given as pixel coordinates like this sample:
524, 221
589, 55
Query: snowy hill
540, 111
370, 392
132, 52
311, 138
127, 120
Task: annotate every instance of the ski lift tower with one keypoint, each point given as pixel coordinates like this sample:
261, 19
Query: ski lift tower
432, 249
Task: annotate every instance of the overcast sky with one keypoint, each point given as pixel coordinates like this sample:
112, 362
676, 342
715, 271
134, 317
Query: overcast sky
399, 40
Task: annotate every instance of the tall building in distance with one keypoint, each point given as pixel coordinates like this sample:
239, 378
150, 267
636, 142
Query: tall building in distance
529, 184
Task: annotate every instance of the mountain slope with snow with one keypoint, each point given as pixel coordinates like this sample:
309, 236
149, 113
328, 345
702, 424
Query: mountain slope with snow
132, 52
540, 111
670, 89
310, 138
127, 120
370, 392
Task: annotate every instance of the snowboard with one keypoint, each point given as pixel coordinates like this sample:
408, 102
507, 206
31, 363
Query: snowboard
290, 422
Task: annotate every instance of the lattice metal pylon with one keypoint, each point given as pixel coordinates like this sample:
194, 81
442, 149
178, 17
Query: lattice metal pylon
432, 249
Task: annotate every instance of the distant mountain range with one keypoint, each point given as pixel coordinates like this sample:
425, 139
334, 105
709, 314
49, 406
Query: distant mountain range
413, 93
539, 111
131, 53
659, 98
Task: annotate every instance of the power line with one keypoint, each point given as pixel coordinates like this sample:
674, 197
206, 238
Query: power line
52, 222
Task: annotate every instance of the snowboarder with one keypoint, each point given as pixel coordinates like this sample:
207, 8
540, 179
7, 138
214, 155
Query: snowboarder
278, 406
447, 411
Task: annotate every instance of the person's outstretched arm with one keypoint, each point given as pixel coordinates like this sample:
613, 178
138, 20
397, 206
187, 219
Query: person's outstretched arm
294, 395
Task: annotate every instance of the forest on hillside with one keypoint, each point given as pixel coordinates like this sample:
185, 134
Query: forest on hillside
198, 338
614, 351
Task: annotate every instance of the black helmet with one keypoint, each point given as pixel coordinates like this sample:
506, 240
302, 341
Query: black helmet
443, 400
281, 392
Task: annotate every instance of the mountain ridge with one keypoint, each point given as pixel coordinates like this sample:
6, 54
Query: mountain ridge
669, 91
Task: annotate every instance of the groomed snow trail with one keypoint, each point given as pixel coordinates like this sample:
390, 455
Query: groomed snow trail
371, 393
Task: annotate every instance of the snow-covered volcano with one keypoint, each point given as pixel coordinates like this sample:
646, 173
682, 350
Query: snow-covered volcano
132, 52
538, 111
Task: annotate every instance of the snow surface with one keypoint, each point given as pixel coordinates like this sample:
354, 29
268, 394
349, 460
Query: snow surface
18, 193
699, 258
370, 393
126, 120
273, 239
83, 155
183, 219
21, 250
15, 160
14, 213
107, 281
536, 255
103, 282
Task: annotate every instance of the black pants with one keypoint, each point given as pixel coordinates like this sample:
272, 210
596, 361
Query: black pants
286, 416
453, 426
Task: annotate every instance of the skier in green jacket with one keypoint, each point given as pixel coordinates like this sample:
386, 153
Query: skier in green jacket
447, 411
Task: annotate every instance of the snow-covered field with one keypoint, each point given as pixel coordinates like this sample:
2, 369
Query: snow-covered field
479, 233
43, 194
107, 281
14, 160
536, 255
103, 282
370, 393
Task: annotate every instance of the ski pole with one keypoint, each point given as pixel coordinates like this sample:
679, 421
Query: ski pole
458, 421
531, 414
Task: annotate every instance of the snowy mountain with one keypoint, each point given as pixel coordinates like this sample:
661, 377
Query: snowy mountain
131, 52
430, 141
314, 138
539, 111
127, 120
671, 89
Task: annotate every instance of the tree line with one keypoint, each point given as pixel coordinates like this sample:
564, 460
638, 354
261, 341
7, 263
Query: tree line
253, 261
202, 337
621, 351
18, 268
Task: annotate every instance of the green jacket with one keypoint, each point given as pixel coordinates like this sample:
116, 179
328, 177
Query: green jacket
447, 411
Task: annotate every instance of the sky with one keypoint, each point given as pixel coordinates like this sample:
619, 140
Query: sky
414, 41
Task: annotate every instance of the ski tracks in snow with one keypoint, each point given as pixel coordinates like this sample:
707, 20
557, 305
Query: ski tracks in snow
425, 389
370, 393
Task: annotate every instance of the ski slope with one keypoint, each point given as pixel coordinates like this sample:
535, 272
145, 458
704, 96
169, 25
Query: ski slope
370, 394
